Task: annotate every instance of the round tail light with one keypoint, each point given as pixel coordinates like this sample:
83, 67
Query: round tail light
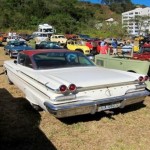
72, 87
146, 78
63, 88
141, 78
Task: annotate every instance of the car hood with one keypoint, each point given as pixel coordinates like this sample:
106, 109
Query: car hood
85, 76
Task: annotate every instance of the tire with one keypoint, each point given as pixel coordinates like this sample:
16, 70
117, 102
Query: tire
10, 55
8, 80
5, 52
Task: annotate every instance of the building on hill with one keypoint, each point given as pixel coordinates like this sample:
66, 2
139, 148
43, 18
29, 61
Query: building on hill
109, 22
137, 21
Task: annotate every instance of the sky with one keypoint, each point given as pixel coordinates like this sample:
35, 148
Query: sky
142, 2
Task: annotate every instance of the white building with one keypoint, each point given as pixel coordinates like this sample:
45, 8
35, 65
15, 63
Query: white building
136, 27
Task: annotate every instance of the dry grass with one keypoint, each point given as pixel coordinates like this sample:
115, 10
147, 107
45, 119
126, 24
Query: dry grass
22, 128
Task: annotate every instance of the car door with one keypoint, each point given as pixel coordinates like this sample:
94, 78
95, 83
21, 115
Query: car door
109, 62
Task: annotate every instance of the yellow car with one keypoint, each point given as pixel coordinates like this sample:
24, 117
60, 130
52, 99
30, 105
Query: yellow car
77, 45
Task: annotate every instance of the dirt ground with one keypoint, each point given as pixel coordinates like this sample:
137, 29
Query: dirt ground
23, 128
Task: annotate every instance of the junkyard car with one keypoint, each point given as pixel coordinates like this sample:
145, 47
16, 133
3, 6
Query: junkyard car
37, 38
78, 45
14, 38
120, 42
83, 37
14, 47
67, 83
61, 39
48, 45
4, 36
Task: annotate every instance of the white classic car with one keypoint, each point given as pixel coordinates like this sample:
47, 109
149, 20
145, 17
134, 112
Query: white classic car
61, 39
67, 83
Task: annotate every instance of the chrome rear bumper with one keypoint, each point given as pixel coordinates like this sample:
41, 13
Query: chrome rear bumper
91, 107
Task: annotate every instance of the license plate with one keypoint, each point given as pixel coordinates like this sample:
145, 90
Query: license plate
107, 107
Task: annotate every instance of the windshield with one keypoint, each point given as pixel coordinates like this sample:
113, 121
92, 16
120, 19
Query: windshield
60, 60
48, 30
43, 35
61, 36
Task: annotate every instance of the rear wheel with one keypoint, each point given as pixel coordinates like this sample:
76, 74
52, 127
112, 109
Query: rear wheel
8, 80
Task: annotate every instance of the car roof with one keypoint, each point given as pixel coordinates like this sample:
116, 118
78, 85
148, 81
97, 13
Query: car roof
37, 51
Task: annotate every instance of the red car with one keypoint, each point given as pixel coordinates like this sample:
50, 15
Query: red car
143, 54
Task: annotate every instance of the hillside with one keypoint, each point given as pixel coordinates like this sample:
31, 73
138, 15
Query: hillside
71, 16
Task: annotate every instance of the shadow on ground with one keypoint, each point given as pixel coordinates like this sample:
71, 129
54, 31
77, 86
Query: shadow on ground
99, 115
19, 125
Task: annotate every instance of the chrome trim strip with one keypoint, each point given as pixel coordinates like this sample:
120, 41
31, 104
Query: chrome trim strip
79, 89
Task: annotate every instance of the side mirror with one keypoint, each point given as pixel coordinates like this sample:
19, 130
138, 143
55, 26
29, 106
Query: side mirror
15, 61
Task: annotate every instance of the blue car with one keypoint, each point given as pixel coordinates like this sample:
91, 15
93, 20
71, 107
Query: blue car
48, 45
14, 47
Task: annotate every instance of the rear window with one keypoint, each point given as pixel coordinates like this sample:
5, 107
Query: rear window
61, 60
